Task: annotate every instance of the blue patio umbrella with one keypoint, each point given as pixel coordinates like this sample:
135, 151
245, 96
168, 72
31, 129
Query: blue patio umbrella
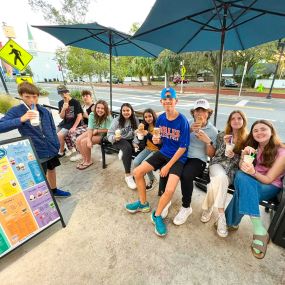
103, 39
191, 25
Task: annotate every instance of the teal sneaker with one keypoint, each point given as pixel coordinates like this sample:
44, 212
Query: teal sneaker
160, 227
137, 207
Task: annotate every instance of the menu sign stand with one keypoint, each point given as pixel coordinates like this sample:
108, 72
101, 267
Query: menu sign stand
27, 205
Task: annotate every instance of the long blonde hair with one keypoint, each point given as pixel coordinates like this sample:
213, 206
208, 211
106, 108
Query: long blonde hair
242, 132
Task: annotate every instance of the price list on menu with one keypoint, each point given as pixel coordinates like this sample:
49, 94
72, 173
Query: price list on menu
26, 205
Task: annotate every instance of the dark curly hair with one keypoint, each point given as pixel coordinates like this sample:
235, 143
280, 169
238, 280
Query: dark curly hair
132, 118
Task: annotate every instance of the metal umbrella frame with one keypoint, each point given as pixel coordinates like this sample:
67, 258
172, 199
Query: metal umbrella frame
103, 39
194, 25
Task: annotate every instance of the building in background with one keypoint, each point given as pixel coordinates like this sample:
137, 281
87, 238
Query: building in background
43, 65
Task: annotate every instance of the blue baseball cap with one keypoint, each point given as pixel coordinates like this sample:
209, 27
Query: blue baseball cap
168, 93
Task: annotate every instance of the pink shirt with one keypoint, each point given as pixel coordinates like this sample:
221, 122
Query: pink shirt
263, 169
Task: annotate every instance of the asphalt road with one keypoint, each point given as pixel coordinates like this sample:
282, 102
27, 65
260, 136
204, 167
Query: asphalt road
255, 108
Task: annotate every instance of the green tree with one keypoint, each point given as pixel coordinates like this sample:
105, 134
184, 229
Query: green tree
121, 66
143, 66
135, 26
83, 62
137, 68
253, 56
70, 12
195, 62
167, 63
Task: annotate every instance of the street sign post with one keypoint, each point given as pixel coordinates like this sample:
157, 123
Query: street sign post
21, 79
183, 72
15, 55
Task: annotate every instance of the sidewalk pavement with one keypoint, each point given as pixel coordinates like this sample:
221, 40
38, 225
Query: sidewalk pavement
103, 244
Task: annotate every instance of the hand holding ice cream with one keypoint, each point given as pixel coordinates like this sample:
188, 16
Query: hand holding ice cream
228, 139
156, 136
140, 131
118, 134
156, 133
248, 157
197, 125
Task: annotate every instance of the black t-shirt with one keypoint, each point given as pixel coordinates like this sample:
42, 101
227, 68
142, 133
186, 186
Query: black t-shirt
71, 113
88, 111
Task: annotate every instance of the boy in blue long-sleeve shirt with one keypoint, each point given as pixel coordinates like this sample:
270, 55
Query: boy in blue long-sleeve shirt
43, 136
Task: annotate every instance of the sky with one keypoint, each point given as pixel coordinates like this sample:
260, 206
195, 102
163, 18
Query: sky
119, 14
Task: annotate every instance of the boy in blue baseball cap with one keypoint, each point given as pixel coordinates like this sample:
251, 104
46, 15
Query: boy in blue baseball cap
172, 133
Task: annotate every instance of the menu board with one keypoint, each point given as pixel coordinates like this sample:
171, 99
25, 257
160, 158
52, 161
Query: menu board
26, 204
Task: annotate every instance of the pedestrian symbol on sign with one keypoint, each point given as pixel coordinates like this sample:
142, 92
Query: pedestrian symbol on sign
15, 55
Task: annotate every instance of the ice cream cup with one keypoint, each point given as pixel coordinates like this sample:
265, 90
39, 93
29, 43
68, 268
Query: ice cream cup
118, 133
248, 158
140, 127
229, 147
140, 136
35, 121
156, 132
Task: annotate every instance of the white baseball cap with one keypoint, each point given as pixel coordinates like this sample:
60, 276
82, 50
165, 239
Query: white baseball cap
201, 103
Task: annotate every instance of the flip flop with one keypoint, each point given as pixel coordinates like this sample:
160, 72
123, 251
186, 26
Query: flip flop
79, 164
262, 248
84, 166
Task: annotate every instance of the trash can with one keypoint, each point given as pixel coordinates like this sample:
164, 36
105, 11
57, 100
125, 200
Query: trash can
277, 227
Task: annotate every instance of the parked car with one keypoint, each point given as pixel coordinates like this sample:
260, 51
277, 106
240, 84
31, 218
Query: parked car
177, 80
200, 79
229, 82
115, 80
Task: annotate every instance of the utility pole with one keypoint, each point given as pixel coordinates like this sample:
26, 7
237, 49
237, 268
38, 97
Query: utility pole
9, 32
244, 72
280, 46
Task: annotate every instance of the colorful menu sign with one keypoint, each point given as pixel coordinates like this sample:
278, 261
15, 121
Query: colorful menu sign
26, 204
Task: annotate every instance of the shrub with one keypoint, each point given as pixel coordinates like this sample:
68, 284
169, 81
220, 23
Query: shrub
76, 94
6, 103
43, 92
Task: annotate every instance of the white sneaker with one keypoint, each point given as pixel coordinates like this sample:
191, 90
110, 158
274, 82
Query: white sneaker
130, 181
76, 157
222, 229
120, 155
206, 215
164, 212
182, 216
68, 152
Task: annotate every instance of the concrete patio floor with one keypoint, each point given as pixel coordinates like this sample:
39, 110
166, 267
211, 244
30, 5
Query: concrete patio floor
103, 244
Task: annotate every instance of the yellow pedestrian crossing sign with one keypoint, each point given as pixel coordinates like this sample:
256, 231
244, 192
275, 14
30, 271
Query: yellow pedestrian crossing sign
15, 55
21, 79
183, 70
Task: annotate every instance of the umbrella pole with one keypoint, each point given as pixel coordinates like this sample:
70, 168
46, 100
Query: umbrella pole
111, 79
220, 63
